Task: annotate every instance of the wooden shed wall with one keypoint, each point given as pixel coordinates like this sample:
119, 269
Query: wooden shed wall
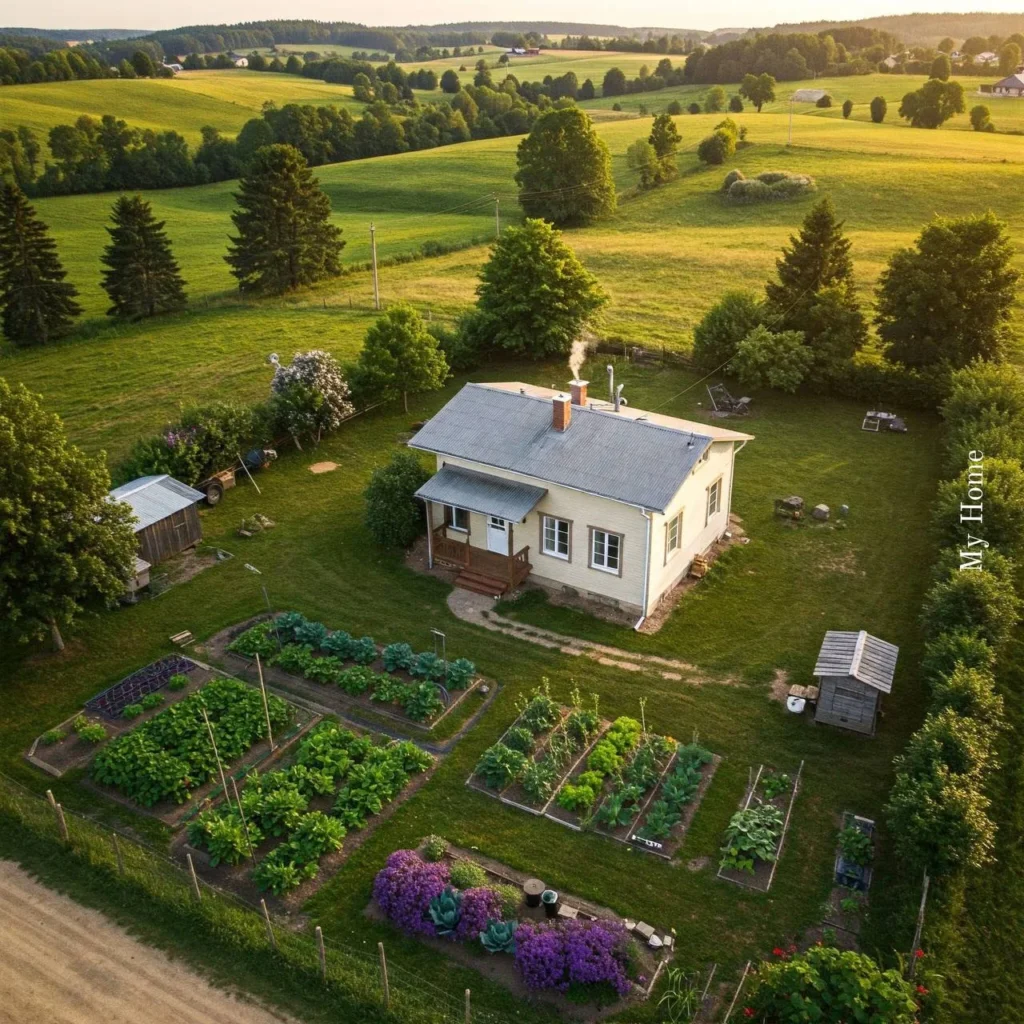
170, 535
848, 703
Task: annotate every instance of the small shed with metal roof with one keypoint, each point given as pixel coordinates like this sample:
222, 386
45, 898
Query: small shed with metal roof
166, 513
854, 669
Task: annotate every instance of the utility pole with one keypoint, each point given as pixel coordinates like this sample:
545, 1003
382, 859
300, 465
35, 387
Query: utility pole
790, 140
373, 253
497, 218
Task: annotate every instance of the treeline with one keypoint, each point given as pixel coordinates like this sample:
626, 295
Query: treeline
787, 58
19, 66
675, 44
615, 82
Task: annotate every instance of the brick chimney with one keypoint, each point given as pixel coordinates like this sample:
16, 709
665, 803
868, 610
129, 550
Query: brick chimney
561, 413
578, 389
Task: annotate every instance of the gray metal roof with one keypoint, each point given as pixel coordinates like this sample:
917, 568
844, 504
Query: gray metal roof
860, 655
629, 460
1015, 81
153, 498
481, 492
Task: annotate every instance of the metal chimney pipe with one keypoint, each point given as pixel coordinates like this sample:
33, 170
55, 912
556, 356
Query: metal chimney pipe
618, 396
611, 382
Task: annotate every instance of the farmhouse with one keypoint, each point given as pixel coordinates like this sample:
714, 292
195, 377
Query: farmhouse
1013, 85
166, 514
593, 498
854, 670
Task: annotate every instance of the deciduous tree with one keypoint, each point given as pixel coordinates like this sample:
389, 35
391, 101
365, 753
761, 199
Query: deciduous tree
759, 89
723, 327
665, 139
879, 108
38, 304
941, 68
393, 515
142, 278
63, 544
285, 237
767, 359
933, 104
1009, 58
311, 395
450, 82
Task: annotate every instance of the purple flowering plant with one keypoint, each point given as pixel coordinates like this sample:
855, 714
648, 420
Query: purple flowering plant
404, 888
479, 906
574, 952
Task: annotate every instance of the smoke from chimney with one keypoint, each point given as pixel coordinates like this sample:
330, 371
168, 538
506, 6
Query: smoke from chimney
579, 353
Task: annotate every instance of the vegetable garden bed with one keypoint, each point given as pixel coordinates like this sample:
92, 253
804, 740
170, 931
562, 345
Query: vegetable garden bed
300, 822
348, 674
586, 960
757, 831
848, 898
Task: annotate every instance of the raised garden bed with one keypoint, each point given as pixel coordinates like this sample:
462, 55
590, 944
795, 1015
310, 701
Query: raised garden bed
754, 838
848, 898
354, 676
299, 823
584, 959
111, 702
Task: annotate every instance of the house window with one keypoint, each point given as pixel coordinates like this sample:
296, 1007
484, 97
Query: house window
673, 535
606, 551
456, 518
714, 499
555, 537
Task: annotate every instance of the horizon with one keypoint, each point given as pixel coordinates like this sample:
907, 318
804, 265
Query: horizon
118, 15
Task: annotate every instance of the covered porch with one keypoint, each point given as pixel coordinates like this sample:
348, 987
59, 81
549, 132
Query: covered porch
491, 565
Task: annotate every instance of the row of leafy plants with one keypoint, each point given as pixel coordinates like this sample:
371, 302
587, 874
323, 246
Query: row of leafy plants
753, 834
291, 642
349, 774
171, 755
938, 813
584, 959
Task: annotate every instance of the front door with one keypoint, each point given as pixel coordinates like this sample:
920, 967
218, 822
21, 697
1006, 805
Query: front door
497, 535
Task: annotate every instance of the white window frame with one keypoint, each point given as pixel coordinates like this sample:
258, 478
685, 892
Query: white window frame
714, 492
674, 547
451, 518
603, 565
556, 523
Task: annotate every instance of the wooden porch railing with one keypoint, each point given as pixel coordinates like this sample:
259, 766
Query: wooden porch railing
460, 554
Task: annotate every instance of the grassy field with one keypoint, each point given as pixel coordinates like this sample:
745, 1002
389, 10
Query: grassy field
320, 560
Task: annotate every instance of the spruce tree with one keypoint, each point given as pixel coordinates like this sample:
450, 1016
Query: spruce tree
142, 278
814, 292
285, 237
38, 304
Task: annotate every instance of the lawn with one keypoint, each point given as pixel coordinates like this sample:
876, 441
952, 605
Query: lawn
320, 560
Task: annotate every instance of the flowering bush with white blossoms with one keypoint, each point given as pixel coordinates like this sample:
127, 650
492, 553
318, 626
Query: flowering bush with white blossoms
311, 394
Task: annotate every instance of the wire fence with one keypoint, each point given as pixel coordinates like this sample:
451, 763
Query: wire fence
363, 980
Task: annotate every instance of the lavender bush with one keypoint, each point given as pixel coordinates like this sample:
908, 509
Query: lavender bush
404, 888
479, 906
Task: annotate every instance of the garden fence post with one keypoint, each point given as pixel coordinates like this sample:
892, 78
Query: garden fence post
117, 853
266, 706
322, 952
241, 815
61, 823
384, 975
52, 799
919, 927
467, 1006
195, 877
270, 927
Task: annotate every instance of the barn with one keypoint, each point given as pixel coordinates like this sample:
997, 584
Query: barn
168, 519
853, 670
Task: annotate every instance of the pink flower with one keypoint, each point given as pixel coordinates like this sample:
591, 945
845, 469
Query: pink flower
918, 954
748, 1011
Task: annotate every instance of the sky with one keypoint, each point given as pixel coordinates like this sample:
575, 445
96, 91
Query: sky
662, 13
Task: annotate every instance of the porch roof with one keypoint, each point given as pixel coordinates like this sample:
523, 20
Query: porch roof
481, 492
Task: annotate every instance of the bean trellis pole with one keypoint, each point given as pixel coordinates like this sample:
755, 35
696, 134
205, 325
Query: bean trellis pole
216, 755
266, 706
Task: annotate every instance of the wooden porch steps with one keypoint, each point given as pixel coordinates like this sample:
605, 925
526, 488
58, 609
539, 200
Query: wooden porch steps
481, 583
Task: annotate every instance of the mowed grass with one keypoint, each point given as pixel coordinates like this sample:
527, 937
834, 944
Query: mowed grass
225, 100
766, 612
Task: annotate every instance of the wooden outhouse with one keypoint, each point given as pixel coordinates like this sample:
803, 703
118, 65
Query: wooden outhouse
166, 513
853, 671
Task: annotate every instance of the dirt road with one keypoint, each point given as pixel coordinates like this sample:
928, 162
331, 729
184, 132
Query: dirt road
61, 963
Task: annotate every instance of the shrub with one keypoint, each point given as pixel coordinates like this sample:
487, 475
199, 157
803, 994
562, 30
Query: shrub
723, 327
717, 147
959, 648
464, 874
731, 177
777, 360
769, 186
978, 601
693, 108
394, 516
404, 889
434, 848
736, 105
879, 108
499, 766
969, 692
824, 102
714, 100
519, 738
847, 108
52, 736
674, 108
981, 119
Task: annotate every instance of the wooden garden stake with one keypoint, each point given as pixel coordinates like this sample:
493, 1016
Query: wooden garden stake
266, 706
920, 926
216, 756
384, 975
195, 878
467, 1006
52, 799
245, 827
117, 853
270, 927
323, 954
62, 824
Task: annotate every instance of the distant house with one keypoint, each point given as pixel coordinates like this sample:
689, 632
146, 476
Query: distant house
1013, 86
891, 62
166, 514
988, 57
808, 95
591, 498
241, 62
523, 51
853, 671
174, 67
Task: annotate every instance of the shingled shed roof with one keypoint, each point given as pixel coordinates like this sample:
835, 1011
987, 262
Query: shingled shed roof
859, 655
153, 498
602, 452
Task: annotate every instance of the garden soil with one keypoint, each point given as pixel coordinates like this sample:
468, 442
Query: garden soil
67, 963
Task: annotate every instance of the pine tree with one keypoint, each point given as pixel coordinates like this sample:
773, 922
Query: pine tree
38, 304
142, 278
285, 238
814, 292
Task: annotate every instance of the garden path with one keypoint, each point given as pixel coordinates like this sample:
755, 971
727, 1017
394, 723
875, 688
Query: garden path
478, 609
65, 962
